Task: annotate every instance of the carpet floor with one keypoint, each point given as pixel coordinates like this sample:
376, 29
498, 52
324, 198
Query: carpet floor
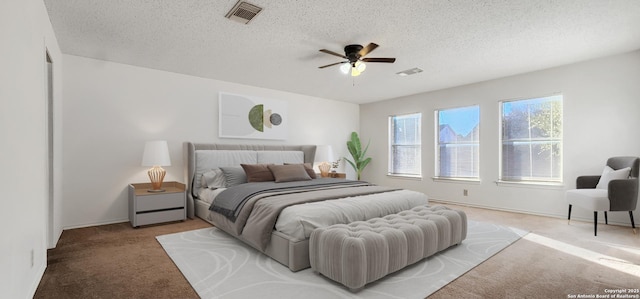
219, 266
115, 261
554, 260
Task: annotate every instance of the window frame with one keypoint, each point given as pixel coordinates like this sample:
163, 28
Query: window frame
390, 157
437, 167
526, 180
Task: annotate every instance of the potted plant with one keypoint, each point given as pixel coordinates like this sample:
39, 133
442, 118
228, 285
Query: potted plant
335, 165
355, 149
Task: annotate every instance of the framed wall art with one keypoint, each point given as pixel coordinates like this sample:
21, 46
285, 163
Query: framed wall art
251, 117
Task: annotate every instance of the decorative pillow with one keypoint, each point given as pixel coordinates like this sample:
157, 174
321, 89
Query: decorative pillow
608, 174
234, 175
213, 179
307, 167
257, 173
289, 173
203, 181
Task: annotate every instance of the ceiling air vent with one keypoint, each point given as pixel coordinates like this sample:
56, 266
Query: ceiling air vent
408, 72
243, 12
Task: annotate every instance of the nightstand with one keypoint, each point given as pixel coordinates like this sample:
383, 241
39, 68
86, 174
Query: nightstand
156, 207
338, 175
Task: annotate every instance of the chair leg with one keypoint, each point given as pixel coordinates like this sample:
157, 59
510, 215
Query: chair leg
595, 223
606, 220
633, 225
569, 217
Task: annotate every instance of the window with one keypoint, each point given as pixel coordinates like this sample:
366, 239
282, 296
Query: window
531, 140
458, 143
404, 143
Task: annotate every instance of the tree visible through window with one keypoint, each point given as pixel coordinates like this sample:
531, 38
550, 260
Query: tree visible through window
405, 146
532, 140
458, 142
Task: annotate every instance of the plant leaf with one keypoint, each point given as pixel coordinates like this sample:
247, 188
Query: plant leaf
365, 163
352, 164
353, 151
356, 141
364, 153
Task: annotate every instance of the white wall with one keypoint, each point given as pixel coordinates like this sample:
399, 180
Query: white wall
25, 32
601, 119
111, 109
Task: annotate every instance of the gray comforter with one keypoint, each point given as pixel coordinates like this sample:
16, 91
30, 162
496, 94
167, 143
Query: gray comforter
230, 202
258, 211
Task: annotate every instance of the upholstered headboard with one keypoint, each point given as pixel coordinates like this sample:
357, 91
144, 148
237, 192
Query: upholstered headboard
211, 155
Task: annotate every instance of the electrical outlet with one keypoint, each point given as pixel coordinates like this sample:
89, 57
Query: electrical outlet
32, 258
465, 192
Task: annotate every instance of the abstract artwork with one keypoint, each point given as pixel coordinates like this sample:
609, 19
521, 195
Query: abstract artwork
251, 117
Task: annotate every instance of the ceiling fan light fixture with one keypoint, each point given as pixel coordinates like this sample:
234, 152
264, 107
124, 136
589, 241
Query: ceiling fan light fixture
354, 62
345, 68
355, 69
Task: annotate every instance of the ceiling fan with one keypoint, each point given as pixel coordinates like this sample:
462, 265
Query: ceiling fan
354, 58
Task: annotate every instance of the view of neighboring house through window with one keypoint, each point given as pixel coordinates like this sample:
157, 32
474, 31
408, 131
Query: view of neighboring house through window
458, 143
531, 140
404, 145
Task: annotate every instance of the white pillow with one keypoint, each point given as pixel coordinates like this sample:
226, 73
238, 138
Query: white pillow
213, 179
608, 174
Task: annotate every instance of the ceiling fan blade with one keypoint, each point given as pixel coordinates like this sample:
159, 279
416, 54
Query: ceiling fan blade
370, 47
333, 53
387, 60
328, 65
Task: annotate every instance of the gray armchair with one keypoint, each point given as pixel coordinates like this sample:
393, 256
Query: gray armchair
620, 194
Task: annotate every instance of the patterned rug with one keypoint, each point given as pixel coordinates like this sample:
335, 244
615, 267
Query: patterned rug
219, 266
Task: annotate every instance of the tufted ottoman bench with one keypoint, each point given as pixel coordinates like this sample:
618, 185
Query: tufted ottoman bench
358, 253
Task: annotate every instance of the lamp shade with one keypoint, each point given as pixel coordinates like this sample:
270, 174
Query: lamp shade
324, 153
156, 153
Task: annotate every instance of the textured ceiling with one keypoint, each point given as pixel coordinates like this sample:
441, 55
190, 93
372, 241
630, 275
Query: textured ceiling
454, 42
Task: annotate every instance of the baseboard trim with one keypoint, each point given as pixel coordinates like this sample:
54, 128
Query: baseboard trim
36, 282
96, 224
557, 216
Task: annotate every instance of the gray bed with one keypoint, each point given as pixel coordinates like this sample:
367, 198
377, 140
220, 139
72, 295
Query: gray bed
289, 249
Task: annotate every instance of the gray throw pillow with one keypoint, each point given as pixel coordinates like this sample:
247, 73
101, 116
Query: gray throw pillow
213, 179
234, 175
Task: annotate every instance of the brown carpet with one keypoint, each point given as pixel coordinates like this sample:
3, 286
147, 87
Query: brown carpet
117, 261
527, 269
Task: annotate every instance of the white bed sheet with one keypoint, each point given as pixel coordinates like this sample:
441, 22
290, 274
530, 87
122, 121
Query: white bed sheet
300, 220
208, 195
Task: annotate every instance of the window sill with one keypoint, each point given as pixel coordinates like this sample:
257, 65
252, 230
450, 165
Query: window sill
525, 184
455, 180
405, 176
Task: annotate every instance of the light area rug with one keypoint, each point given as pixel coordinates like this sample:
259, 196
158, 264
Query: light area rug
219, 266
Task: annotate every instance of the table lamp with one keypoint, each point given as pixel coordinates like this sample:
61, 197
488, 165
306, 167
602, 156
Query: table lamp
324, 155
156, 154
